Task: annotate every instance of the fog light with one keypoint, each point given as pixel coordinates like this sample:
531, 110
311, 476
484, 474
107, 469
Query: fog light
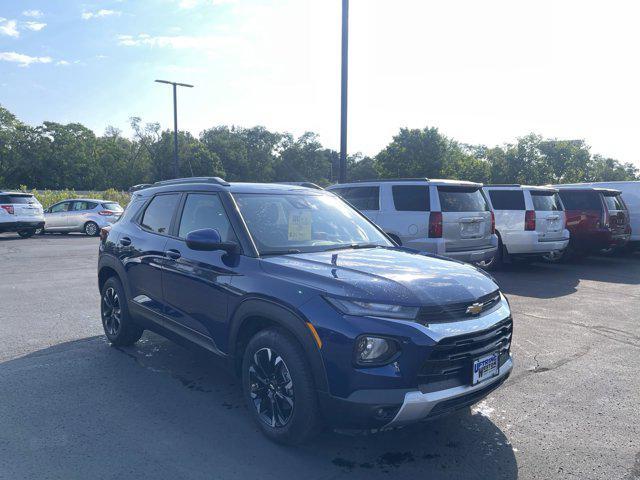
371, 350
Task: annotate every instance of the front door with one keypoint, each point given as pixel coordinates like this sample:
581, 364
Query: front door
57, 217
196, 283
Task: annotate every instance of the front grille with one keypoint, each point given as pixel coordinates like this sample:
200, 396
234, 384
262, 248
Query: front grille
450, 362
456, 311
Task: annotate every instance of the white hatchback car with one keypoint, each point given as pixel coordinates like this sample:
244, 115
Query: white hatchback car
20, 212
447, 217
87, 215
530, 221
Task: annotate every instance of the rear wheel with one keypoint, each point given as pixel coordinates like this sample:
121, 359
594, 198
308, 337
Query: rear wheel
91, 229
27, 233
278, 388
118, 325
496, 262
556, 256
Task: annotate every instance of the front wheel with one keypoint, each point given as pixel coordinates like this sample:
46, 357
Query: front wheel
278, 388
27, 233
118, 325
91, 229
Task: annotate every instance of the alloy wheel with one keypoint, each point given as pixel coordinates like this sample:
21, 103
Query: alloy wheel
271, 388
111, 312
91, 229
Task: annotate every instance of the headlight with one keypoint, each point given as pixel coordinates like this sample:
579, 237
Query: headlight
368, 309
374, 351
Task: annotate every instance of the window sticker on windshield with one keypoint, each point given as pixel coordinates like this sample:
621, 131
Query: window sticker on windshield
300, 226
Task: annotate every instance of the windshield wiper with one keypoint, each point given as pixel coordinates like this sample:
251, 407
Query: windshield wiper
280, 252
353, 246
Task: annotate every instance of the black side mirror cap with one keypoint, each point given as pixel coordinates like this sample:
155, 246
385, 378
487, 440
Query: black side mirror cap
208, 240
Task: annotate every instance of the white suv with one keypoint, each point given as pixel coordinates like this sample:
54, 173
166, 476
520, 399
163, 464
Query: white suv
446, 217
530, 221
20, 212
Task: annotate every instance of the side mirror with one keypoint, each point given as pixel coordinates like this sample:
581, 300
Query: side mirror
208, 240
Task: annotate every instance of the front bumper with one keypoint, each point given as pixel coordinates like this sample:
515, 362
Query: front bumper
418, 406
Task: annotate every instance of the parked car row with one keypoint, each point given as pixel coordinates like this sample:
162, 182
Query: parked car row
21, 212
491, 224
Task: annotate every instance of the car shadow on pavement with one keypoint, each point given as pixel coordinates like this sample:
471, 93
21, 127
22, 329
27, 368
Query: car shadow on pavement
84, 409
544, 280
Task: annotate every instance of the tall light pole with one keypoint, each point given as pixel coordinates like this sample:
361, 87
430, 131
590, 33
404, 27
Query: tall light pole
342, 173
176, 164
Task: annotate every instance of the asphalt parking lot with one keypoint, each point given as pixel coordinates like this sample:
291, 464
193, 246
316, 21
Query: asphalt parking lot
71, 406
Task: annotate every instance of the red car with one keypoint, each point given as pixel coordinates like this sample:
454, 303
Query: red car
597, 219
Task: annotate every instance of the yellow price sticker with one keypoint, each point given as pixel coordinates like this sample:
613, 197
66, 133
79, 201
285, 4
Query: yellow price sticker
300, 226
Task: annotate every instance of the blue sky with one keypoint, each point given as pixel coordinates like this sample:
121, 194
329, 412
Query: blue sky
483, 72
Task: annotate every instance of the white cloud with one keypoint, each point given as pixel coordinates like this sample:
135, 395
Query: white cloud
9, 27
62, 63
199, 43
194, 3
33, 13
100, 13
21, 59
35, 26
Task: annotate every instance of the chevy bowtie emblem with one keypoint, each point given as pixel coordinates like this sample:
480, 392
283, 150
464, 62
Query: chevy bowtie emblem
474, 309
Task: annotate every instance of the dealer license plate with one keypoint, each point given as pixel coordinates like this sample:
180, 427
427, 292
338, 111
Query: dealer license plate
485, 368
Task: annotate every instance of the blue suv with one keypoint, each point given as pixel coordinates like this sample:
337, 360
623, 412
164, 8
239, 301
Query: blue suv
323, 317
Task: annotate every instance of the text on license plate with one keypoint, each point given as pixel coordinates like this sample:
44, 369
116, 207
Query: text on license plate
485, 367
470, 229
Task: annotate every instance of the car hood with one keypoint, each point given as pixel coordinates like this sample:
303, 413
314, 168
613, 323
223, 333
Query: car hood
384, 275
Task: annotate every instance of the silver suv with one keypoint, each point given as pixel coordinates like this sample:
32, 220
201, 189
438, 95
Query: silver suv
20, 212
86, 215
530, 221
446, 217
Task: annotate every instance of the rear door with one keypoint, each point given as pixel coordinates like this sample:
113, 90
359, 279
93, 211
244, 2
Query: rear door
549, 214
618, 215
466, 218
408, 214
364, 198
57, 216
79, 214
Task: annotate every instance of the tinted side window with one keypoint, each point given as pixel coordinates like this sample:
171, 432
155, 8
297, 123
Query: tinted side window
411, 198
613, 202
363, 198
157, 216
507, 199
456, 199
581, 200
205, 211
61, 207
83, 206
546, 202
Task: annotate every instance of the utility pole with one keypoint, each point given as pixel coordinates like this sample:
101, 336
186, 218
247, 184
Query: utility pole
342, 174
175, 85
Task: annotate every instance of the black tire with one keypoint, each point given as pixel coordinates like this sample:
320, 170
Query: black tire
279, 389
27, 233
118, 325
91, 229
558, 256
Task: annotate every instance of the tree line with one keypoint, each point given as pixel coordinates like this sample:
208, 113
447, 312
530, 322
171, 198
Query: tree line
56, 156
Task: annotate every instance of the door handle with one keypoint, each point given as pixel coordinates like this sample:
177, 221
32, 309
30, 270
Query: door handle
125, 241
173, 254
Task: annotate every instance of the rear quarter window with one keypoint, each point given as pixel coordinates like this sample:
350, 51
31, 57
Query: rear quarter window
614, 202
546, 202
585, 200
456, 199
507, 199
411, 198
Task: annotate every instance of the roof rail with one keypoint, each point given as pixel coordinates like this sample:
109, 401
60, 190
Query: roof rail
178, 181
502, 185
423, 179
301, 184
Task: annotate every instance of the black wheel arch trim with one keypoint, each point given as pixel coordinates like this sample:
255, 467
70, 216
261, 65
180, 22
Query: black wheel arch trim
289, 319
112, 263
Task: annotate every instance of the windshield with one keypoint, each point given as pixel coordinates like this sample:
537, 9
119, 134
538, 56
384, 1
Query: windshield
285, 223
